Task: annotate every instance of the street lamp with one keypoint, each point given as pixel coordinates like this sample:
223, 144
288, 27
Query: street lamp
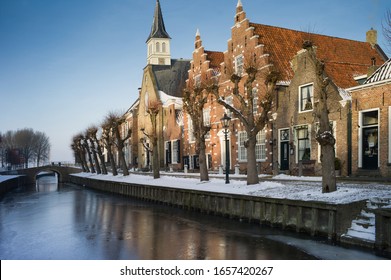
225, 121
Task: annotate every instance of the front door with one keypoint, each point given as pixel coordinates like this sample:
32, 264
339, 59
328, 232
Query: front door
370, 148
284, 149
284, 156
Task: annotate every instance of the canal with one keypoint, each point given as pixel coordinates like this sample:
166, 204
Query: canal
68, 222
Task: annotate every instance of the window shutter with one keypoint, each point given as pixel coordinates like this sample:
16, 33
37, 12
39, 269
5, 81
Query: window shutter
179, 151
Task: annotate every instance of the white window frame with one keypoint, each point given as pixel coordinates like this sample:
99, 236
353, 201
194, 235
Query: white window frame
174, 151
190, 129
301, 88
260, 147
299, 127
230, 101
239, 65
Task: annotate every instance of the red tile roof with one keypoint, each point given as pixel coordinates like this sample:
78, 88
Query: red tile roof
344, 59
215, 58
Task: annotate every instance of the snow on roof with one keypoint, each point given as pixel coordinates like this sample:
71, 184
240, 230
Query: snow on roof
381, 74
168, 100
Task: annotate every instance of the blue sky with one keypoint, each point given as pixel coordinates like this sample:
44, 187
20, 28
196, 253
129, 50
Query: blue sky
65, 63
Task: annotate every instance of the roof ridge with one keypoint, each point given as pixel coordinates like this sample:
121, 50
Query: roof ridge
304, 32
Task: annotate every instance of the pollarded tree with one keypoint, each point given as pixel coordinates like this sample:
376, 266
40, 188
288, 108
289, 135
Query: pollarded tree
153, 110
253, 93
79, 151
90, 135
386, 24
96, 144
115, 120
108, 142
324, 135
195, 97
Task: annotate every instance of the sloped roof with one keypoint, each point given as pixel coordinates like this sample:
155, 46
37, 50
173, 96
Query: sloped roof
381, 74
171, 79
344, 59
215, 59
158, 29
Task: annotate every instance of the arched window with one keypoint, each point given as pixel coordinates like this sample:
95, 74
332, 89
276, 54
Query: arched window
164, 47
157, 47
150, 49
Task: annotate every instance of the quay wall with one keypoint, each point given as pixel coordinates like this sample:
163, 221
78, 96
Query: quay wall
311, 217
11, 183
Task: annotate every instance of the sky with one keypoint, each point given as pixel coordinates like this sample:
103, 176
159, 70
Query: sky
64, 64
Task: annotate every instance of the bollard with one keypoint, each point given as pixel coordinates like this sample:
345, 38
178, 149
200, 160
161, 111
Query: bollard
237, 172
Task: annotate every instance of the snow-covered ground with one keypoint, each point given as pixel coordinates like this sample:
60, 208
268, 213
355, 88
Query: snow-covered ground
281, 186
7, 177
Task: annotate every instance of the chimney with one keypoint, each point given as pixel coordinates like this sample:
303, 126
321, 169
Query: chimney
372, 37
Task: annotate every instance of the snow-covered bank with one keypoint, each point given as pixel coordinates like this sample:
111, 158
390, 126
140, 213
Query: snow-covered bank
281, 186
4, 178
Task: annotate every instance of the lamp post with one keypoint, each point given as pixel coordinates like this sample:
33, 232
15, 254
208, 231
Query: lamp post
225, 121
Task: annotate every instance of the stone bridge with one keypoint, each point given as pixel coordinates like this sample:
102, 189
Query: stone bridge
62, 172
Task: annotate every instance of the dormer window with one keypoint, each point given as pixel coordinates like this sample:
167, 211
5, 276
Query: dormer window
306, 98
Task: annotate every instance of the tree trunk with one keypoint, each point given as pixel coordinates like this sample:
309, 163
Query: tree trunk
204, 176
89, 156
252, 172
155, 159
328, 169
101, 157
98, 170
112, 162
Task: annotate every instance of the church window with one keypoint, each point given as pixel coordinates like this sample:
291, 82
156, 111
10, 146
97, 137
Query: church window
157, 47
164, 47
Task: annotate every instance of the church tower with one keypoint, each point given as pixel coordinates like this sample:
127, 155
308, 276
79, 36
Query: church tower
158, 42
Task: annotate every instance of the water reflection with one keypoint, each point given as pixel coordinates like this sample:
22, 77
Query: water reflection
46, 182
68, 222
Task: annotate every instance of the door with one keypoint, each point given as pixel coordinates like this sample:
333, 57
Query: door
284, 156
370, 148
284, 149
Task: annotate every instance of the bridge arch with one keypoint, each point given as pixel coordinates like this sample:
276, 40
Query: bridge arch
31, 173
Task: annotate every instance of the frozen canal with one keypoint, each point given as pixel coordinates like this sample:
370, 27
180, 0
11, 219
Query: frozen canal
66, 222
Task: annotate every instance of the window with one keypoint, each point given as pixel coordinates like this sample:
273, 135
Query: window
255, 101
206, 115
197, 80
157, 47
229, 100
164, 47
306, 98
190, 128
242, 149
260, 147
175, 151
239, 65
303, 143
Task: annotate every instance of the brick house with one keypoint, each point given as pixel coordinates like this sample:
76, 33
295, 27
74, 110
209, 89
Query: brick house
371, 124
163, 82
288, 139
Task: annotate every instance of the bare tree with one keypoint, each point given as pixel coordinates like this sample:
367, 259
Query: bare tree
108, 142
115, 120
41, 147
386, 25
24, 141
324, 135
80, 152
153, 110
89, 134
195, 97
97, 146
244, 104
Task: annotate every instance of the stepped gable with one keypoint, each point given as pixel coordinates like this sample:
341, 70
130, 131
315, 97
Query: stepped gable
344, 59
171, 79
215, 59
381, 74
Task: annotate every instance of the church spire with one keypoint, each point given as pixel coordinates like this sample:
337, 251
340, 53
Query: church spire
158, 42
158, 29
